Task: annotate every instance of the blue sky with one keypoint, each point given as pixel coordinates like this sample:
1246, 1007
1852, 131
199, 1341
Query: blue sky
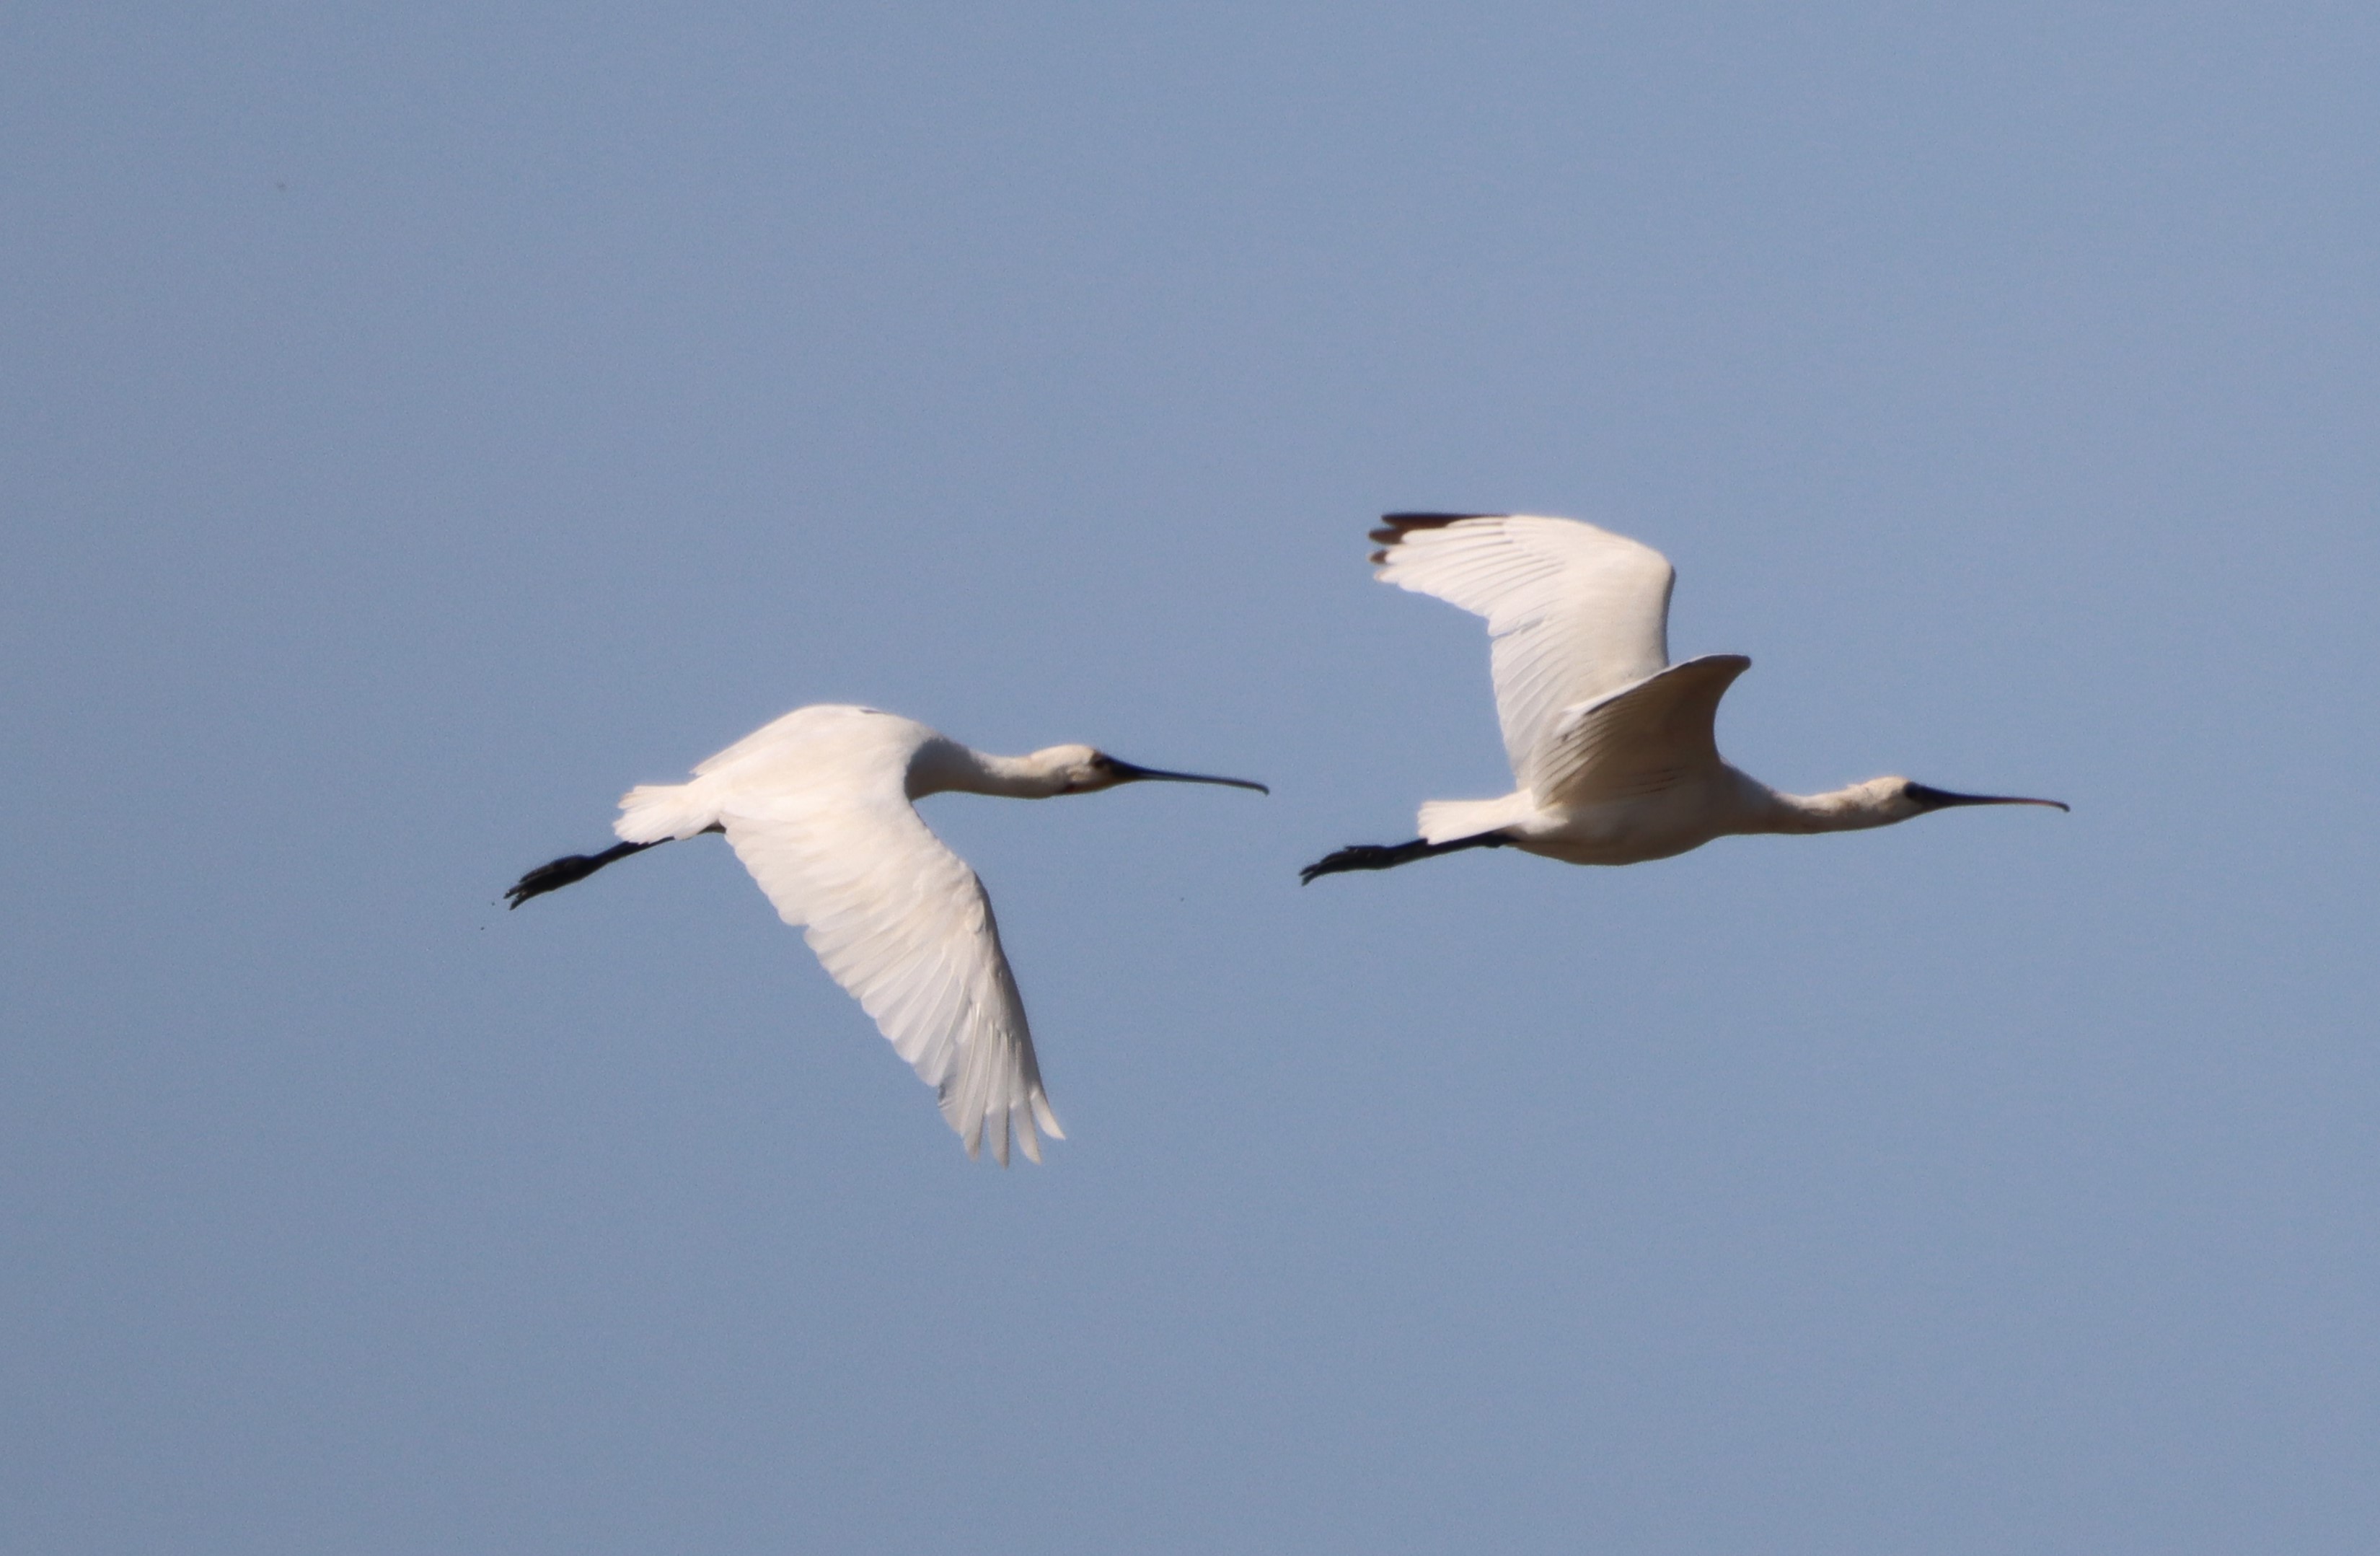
419, 426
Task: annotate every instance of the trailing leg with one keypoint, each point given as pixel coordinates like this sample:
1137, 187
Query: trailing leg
1387, 855
576, 866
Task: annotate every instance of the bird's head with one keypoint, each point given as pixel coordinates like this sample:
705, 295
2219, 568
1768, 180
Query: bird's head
1082, 770
1896, 800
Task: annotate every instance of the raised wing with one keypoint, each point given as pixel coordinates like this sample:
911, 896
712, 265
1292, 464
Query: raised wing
823, 822
1640, 739
1576, 613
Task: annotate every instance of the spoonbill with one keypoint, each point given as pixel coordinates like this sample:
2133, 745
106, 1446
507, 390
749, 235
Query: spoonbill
817, 806
1610, 744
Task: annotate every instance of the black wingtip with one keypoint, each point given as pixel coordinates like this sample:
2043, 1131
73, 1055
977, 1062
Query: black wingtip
1395, 526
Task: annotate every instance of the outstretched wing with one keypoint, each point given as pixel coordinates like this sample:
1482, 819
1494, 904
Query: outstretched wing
1640, 739
823, 821
1576, 613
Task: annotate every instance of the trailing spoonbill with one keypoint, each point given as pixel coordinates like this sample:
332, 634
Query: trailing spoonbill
1610, 744
816, 805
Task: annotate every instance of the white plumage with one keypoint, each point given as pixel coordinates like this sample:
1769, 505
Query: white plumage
817, 806
1614, 758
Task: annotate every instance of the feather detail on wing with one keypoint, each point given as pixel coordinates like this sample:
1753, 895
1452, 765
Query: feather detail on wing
896, 917
1576, 613
1638, 740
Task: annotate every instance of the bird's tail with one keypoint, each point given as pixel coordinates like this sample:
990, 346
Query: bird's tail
1445, 820
657, 812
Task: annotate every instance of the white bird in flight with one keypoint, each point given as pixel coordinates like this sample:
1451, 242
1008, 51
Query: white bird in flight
816, 805
1610, 744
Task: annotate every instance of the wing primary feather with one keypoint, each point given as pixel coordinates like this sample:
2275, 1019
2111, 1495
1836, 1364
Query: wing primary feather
1394, 525
1573, 612
817, 807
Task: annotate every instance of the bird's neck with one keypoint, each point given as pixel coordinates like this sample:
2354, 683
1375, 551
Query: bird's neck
946, 767
1848, 810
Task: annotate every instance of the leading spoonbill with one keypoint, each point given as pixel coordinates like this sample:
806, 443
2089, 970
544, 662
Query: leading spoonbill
817, 806
1610, 744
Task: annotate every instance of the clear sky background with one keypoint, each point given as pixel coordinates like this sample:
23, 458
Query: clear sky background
421, 425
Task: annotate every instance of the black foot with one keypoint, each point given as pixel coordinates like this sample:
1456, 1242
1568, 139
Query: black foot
1360, 856
1387, 855
563, 872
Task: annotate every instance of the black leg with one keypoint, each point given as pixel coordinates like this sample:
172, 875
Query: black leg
578, 866
1387, 855
563, 872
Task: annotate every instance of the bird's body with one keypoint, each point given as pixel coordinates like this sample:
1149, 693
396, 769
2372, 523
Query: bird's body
817, 806
1687, 814
1612, 746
